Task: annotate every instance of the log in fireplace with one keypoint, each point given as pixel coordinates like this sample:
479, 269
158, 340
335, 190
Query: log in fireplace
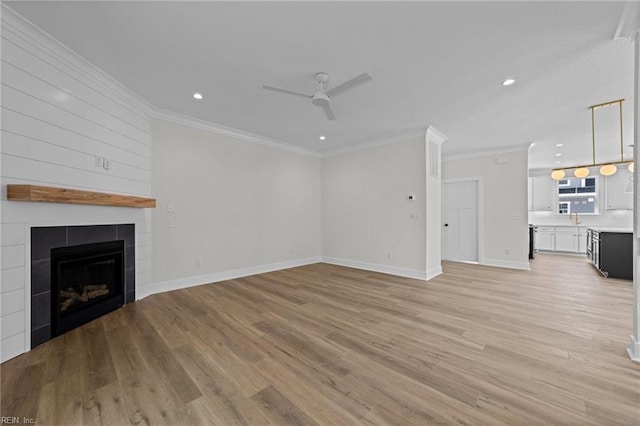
87, 281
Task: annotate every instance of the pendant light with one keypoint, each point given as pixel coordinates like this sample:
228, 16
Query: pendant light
581, 172
606, 169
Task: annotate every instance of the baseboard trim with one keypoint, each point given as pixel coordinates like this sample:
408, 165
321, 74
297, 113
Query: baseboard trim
374, 267
634, 350
523, 266
434, 272
180, 283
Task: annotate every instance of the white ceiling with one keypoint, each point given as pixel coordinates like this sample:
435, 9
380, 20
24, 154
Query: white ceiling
432, 63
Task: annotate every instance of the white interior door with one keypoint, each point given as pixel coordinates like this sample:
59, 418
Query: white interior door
460, 221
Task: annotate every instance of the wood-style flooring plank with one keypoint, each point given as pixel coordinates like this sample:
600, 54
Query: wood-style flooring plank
324, 344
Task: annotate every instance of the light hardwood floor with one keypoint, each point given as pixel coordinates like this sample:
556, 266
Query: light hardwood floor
324, 344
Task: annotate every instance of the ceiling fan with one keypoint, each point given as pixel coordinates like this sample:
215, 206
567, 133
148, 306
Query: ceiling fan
323, 97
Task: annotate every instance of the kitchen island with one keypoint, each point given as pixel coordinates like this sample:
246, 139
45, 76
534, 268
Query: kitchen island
610, 250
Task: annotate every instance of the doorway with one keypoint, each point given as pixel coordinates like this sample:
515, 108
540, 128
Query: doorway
460, 221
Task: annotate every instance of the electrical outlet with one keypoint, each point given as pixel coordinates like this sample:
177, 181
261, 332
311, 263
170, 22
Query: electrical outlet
99, 161
198, 262
171, 223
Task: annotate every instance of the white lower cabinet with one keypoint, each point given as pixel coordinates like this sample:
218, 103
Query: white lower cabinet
545, 238
582, 240
568, 239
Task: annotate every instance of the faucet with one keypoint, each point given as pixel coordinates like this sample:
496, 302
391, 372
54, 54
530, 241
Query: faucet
576, 219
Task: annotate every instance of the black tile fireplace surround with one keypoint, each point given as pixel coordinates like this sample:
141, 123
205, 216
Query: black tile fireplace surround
64, 238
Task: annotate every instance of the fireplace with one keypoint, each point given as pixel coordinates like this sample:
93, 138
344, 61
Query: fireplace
87, 282
79, 273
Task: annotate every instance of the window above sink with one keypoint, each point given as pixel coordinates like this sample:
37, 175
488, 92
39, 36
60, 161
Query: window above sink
577, 195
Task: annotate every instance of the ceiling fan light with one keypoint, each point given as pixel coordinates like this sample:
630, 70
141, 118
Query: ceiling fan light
631, 167
581, 172
557, 174
608, 170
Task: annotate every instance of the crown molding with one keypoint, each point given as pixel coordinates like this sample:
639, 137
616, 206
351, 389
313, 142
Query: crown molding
32, 34
229, 131
629, 23
376, 142
435, 136
461, 155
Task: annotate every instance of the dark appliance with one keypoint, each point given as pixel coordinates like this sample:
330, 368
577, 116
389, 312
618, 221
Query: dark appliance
532, 241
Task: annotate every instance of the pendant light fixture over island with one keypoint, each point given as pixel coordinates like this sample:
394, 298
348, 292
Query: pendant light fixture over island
606, 168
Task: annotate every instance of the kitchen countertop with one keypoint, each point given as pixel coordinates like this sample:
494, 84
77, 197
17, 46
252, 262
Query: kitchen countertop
565, 226
612, 229
595, 228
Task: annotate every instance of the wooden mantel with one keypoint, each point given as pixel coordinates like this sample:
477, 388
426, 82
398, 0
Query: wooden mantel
50, 194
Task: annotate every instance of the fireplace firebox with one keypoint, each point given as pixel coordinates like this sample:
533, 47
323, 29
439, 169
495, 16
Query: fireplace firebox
87, 281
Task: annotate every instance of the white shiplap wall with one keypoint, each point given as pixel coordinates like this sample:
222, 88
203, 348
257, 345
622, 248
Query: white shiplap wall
59, 113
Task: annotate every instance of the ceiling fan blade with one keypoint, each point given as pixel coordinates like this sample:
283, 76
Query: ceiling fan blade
348, 85
289, 92
329, 111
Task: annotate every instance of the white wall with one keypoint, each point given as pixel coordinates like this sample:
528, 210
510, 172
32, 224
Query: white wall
504, 192
366, 214
58, 112
239, 207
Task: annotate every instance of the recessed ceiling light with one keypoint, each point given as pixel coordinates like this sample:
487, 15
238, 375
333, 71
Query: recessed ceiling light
559, 144
508, 82
197, 96
558, 155
558, 162
322, 138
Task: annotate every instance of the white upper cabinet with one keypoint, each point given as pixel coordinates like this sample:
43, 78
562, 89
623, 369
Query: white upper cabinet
542, 193
616, 197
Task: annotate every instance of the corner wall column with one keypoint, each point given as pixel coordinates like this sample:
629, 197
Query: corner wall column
628, 27
433, 200
634, 344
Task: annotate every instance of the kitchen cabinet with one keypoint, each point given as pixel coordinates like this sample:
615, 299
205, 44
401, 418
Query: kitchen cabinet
611, 252
615, 196
582, 240
545, 238
567, 239
543, 193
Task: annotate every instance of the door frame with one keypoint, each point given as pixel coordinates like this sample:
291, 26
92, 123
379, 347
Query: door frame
480, 210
